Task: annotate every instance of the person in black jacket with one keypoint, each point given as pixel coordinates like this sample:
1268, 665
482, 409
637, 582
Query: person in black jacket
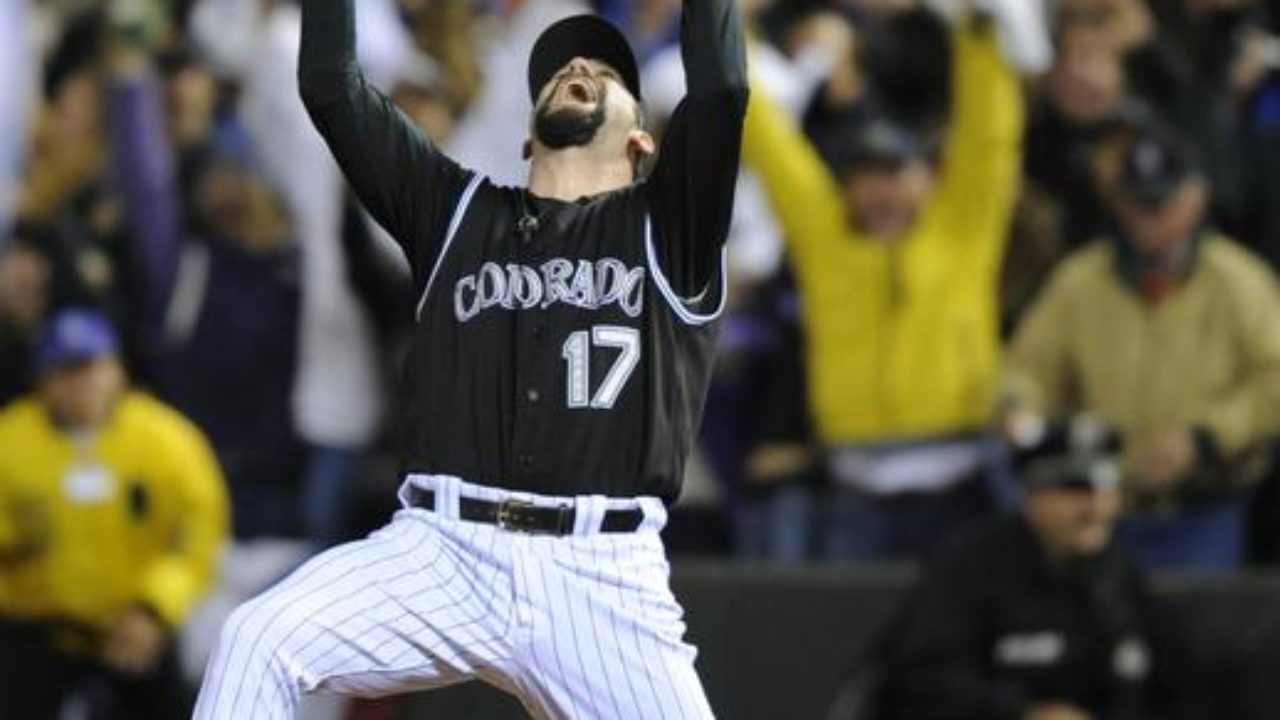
1039, 616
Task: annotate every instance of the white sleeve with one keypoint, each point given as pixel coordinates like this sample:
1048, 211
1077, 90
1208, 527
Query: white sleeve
17, 63
227, 34
755, 240
383, 44
791, 81
491, 134
1022, 25
663, 82
337, 388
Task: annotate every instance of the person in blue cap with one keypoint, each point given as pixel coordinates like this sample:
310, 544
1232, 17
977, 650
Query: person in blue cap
112, 514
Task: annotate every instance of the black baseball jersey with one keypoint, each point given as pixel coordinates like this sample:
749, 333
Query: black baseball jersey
562, 348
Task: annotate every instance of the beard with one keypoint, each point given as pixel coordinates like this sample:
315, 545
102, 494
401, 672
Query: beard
569, 126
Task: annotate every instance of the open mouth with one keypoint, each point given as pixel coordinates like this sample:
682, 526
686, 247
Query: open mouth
578, 90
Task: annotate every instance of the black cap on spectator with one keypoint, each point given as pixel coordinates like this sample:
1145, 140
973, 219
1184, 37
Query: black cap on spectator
1073, 472
1156, 163
1079, 454
873, 143
586, 36
885, 143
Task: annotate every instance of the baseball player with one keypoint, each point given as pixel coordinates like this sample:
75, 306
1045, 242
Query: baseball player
559, 366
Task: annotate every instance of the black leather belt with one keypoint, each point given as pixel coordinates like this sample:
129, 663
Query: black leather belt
519, 516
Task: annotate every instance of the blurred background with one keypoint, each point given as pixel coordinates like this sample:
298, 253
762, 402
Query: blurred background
993, 428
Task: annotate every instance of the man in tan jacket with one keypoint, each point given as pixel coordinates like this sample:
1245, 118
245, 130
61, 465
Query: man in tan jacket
1169, 334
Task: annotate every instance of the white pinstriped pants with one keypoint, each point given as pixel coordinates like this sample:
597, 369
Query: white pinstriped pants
583, 626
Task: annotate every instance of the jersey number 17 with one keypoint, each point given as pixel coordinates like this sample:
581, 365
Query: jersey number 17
577, 354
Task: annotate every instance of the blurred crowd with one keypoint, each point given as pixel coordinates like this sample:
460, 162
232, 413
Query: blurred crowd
1053, 227
983, 250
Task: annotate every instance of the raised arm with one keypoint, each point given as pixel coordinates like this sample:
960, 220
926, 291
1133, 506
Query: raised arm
802, 193
400, 176
983, 160
691, 188
146, 171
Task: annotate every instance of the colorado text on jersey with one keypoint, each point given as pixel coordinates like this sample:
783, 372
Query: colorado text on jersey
588, 285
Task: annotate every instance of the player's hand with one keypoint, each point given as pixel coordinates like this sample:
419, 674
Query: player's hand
1056, 711
135, 642
1163, 458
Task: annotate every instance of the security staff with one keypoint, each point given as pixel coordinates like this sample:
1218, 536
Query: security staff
1038, 616
112, 511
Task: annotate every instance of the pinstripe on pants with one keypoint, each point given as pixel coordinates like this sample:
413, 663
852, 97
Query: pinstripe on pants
583, 626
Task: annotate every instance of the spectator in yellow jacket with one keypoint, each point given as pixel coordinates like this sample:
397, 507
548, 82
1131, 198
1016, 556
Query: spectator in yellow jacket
112, 514
1169, 334
897, 259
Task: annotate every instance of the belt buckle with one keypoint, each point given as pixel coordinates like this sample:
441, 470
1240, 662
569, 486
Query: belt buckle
514, 515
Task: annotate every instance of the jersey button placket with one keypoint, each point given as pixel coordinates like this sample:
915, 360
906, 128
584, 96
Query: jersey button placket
530, 330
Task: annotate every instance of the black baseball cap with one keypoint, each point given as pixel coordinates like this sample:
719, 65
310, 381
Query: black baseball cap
1073, 472
1078, 454
883, 142
587, 36
872, 143
1156, 163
